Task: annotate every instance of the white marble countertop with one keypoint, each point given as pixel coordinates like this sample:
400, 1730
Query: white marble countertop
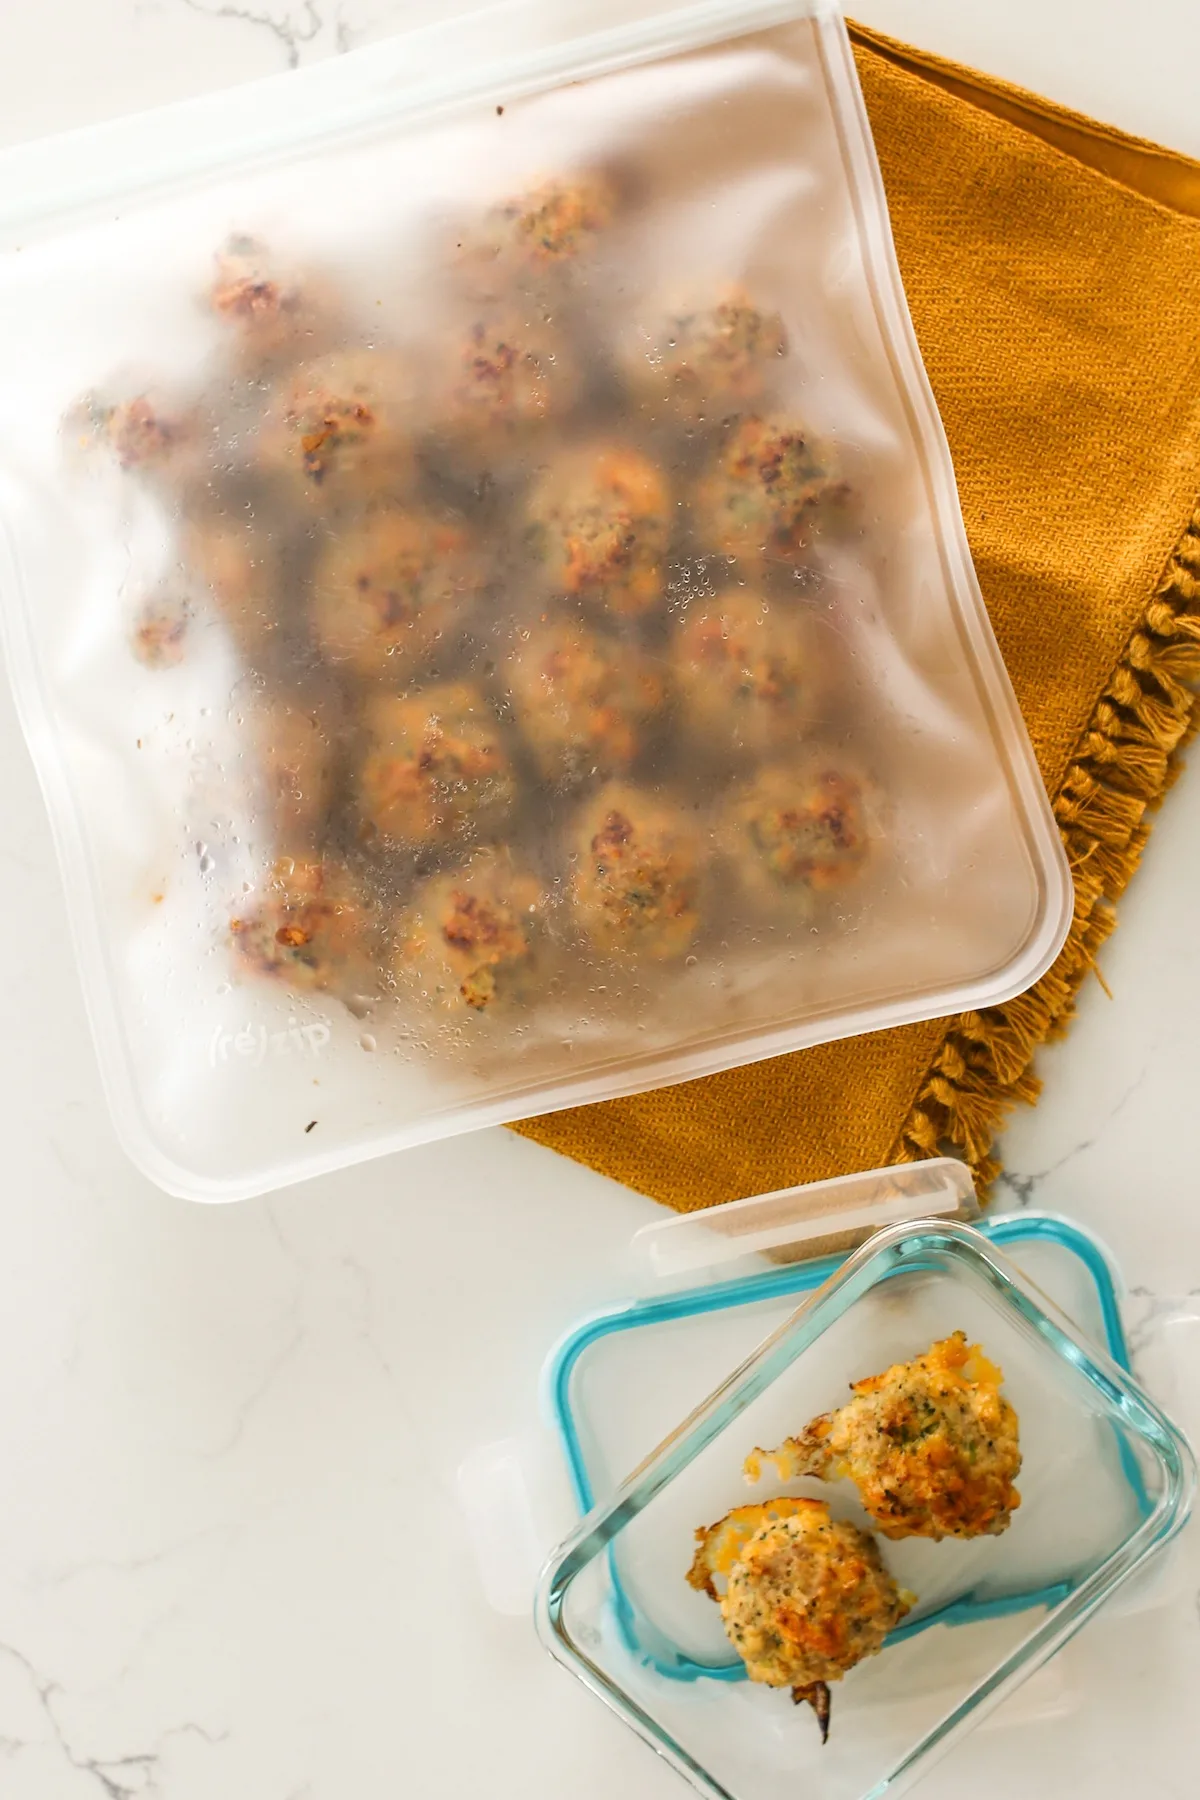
231, 1553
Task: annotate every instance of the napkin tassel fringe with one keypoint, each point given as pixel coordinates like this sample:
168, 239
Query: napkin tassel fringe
1125, 761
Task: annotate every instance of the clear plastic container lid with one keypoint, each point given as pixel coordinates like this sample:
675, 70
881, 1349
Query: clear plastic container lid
485, 588
1105, 1481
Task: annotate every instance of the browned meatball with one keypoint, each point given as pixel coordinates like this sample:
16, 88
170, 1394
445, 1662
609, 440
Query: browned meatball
238, 559
800, 831
751, 673
436, 768
536, 239
152, 434
338, 429
807, 1597
160, 630
703, 363
509, 371
311, 929
600, 526
583, 700
272, 312
390, 585
932, 1445
468, 940
759, 498
295, 739
141, 433
637, 875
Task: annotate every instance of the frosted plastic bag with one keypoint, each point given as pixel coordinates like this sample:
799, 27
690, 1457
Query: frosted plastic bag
485, 590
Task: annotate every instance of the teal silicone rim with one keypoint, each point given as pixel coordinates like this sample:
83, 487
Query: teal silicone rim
802, 1278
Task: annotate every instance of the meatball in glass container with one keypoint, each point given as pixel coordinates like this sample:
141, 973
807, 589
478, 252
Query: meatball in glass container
700, 364
759, 498
932, 1446
800, 832
468, 941
436, 770
637, 878
584, 700
310, 929
806, 1597
752, 674
390, 585
599, 526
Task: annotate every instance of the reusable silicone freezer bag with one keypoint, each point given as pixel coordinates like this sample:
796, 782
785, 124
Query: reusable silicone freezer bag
485, 591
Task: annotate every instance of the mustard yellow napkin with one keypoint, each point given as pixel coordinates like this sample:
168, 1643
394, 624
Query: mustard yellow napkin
1053, 270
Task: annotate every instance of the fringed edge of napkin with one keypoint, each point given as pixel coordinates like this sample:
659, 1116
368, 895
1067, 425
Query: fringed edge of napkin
1123, 764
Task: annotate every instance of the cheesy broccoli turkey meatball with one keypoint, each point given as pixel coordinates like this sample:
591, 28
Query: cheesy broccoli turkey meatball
751, 674
160, 629
338, 427
238, 558
600, 527
467, 941
637, 875
703, 363
799, 831
806, 1597
759, 498
311, 929
583, 700
932, 1446
436, 769
145, 434
152, 434
536, 240
508, 372
294, 737
390, 585
272, 313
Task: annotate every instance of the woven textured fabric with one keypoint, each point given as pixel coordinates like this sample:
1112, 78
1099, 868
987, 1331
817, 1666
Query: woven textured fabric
1052, 267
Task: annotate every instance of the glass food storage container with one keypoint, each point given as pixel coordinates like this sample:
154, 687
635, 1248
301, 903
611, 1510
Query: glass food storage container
1106, 1479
